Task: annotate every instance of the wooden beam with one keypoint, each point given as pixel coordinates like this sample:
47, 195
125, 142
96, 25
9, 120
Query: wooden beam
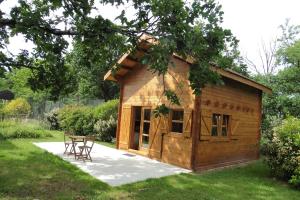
196, 124
127, 67
119, 113
129, 62
237, 77
259, 123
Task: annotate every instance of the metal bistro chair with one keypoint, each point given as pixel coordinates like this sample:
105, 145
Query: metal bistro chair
85, 150
68, 143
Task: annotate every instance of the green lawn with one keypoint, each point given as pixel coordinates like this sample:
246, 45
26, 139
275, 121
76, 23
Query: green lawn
28, 172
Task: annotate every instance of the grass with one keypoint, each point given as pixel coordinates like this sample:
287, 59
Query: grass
23, 129
28, 172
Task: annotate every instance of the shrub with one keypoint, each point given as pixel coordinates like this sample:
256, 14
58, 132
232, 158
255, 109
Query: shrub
77, 119
282, 150
1, 111
81, 120
12, 129
52, 119
106, 129
18, 106
107, 109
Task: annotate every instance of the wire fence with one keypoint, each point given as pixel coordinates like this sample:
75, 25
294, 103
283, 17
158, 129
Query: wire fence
41, 108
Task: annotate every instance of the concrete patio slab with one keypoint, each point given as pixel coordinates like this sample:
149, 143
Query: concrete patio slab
115, 167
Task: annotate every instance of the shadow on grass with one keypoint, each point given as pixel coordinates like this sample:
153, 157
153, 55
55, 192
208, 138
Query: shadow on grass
250, 182
33, 173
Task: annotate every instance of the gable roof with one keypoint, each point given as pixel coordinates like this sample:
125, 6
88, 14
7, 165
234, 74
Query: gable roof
129, 61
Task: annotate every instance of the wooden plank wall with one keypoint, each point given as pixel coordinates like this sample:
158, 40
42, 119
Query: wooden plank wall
143, 88
242, 103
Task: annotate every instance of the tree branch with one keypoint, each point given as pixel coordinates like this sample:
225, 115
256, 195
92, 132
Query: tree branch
12, 23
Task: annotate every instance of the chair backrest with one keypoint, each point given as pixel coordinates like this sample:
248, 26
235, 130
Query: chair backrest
67, 134
90, 140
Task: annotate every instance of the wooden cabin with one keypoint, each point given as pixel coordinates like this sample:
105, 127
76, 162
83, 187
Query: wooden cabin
221, 127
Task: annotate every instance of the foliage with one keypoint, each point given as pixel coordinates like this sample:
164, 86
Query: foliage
77, 119
52, 119
81, 119
172, 97
105, 110
187, 28
12, 129
90, 62
7, 95
293, 54
288, 51
161, 110
285, 98
106, 129
18, 106
19, 83
283, 150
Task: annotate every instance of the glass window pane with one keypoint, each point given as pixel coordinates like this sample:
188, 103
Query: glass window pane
146, 128
215, 119
224, 131
225, 120
177, 127
137, 126
147, 114
137, 113
177, 115
214, 131
145, 141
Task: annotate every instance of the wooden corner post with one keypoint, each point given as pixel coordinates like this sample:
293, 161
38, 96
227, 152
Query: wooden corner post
195, 130
119, 114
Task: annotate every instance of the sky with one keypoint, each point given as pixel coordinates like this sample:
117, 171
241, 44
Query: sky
251, 21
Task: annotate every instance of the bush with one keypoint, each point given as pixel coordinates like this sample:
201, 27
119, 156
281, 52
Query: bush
106, 129
107, 109
77, 119
52, 119
82, 120
12, 129
18, 106
1, 111
282, 150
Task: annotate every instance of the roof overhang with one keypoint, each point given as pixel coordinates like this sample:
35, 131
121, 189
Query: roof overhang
130, 61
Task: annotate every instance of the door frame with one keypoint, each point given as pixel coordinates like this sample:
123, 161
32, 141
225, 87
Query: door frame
141, 148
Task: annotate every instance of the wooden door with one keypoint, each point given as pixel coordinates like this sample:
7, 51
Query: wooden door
145, 128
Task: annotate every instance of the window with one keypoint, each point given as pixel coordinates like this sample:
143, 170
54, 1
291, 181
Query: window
220, 124
177, 121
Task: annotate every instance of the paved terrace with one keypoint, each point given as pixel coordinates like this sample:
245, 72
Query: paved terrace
115, 167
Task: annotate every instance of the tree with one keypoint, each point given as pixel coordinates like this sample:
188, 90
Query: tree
267, 55
89, 71
18, 81
288, 51
189, 29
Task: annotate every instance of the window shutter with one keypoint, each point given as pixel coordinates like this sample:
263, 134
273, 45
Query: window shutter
125, 126
164, 123
234, 125
187, 122
206, 123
